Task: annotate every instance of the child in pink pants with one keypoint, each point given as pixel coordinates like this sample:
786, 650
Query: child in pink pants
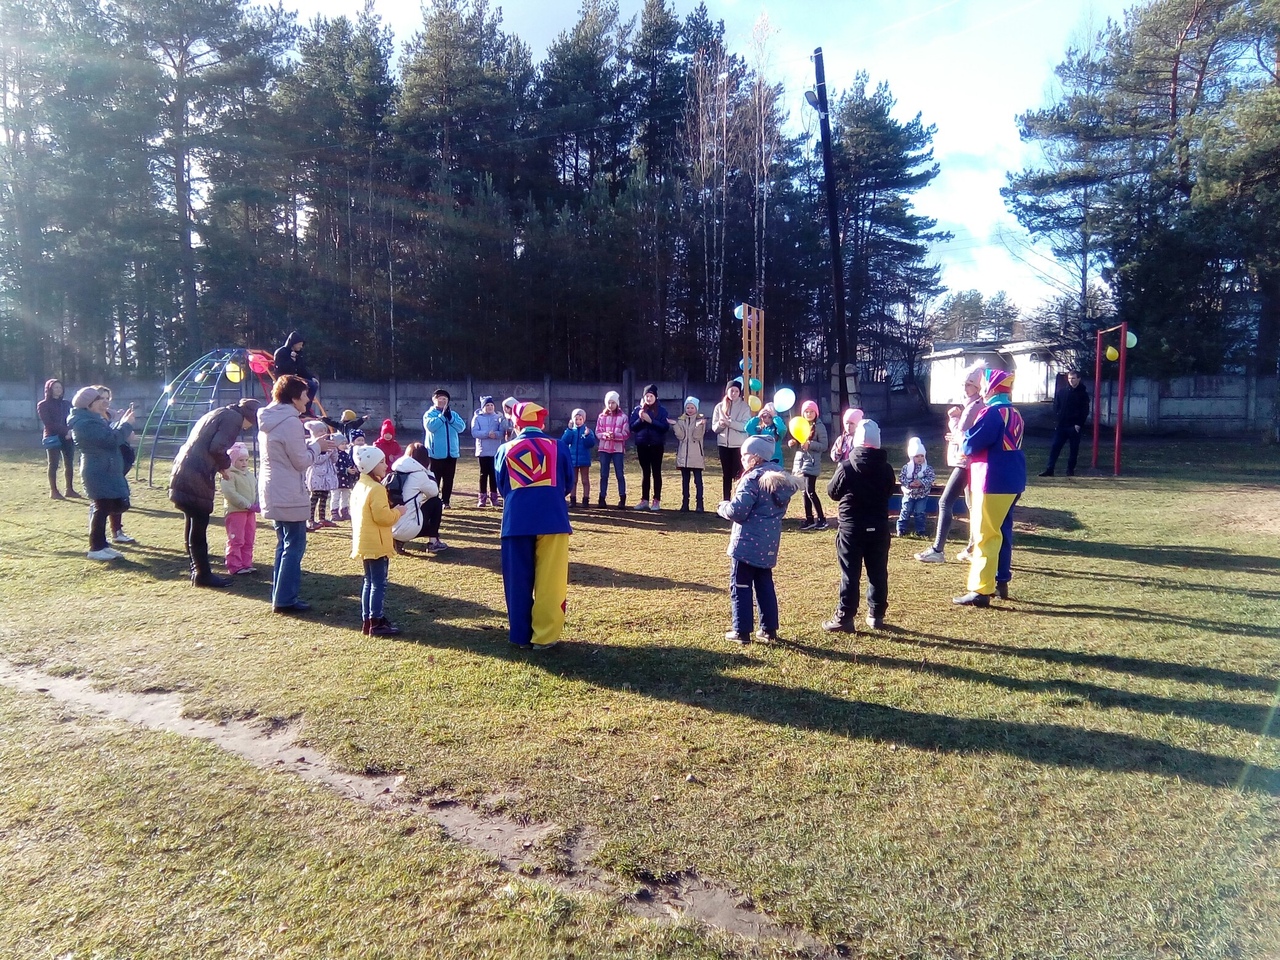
240, 499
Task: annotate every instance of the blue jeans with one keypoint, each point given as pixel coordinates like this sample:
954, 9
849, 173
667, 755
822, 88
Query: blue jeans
616, 460
286, 573
743, 577
913, 509
375, 588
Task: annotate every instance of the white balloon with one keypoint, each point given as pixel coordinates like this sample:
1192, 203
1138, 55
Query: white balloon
784, 400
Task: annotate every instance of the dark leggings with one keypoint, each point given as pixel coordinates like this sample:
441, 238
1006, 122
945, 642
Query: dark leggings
650, 457
196, 534
319, 498
488, 480
445, 468
956, 483
812, 504
730, 467
65, 453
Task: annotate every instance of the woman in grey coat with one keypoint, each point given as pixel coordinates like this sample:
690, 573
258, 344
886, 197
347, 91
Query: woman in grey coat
193, 481
101, 463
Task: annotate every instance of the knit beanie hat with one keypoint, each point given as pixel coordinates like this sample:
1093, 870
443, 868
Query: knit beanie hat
84, 398
809, 405
852, 417
248, 408
485, 401
697, 404
973, 372
612, 395
509, 404
733, 383
348, 415
356, 435
367, 458
530, 415
915, 447
388, 428
236, 451
758, 447
648, 389
867, 435
769, 409
317, 429
576, 412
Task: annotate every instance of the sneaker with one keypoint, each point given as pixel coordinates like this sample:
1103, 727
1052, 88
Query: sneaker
437, 545
654, 504
311, 526
642, 505
482, 501
539, 647
965, 555
121, 537
1046, 473
733, 636
242, 572
821, 525
807, 525
497, 502
932, 556
972, 599
767, 636
106, 553
875, 623
1002, 589
836, 625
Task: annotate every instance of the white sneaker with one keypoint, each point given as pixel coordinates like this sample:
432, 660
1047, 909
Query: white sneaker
106, 553
964, 555
246, 570
122, 537
931, 556
875, 623
654, 505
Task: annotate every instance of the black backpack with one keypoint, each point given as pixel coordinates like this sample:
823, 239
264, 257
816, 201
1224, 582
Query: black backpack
394, 483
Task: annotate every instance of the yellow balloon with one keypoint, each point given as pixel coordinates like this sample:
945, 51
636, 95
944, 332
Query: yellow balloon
754, 403
800, 428
1113, 353
234, 372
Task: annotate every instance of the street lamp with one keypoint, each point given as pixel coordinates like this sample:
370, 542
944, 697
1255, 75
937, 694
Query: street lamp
817, 98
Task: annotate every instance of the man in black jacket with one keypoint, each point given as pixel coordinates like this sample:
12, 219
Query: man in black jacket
863, 485
288, 360
1071, 405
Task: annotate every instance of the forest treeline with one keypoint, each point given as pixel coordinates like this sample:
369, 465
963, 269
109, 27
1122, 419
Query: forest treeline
181, 175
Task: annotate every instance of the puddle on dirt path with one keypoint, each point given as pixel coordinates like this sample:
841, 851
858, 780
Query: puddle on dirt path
518, 847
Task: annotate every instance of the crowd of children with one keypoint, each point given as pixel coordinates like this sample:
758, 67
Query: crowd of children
392, 496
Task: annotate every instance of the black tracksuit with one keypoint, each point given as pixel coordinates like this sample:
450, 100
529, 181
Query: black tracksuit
1071, 404
863, 485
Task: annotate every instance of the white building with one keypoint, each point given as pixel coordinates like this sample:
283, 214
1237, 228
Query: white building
1034, 366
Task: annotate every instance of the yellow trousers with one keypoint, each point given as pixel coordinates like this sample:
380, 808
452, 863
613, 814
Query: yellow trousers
993, 514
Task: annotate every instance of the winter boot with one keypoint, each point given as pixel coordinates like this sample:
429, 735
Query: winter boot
382, 627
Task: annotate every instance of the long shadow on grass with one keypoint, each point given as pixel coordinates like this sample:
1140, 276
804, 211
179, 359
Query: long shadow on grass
1161, 583
1249, 717
1154, 669
1135, 615
1204, 558
677, 673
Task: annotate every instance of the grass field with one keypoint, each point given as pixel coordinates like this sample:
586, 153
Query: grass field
1083, 772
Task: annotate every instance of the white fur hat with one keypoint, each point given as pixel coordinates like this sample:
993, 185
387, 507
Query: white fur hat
367, 457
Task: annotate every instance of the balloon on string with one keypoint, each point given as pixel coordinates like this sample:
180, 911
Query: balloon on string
258, 363
755, 385
744, 365
235, 372
737, 311
1113, 353
754, 403
784, 400
1130, 339
800, 428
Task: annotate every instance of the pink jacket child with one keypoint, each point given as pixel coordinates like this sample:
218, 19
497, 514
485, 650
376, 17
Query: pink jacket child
240, 498
612, 429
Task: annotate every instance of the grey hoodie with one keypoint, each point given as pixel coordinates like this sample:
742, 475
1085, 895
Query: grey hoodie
286, 455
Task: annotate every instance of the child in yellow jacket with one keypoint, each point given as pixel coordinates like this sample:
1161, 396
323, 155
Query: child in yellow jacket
372, 518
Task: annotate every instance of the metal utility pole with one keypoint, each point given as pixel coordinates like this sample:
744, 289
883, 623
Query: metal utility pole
818, 99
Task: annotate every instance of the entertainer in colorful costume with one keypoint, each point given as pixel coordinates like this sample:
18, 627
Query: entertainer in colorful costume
534, 476
997, 477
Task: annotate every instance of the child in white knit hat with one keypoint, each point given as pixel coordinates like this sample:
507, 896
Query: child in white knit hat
916, 481
239, 489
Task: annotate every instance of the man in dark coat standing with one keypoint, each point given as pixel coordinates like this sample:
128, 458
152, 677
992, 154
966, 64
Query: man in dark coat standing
1071, 406
192, 486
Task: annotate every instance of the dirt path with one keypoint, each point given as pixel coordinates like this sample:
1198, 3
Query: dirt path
518, 847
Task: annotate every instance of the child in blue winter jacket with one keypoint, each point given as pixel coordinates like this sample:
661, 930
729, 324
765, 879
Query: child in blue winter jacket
581, 440
759, 503
915, 480
490, 430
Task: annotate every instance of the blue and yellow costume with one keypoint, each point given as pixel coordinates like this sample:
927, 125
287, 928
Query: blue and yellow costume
534, 476
997, 477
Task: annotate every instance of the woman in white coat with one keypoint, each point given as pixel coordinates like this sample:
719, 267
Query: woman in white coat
420, 493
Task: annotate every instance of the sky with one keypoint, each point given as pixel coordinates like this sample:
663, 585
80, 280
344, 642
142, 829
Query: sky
967, 66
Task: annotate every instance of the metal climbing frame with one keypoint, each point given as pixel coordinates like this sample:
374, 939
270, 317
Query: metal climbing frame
221, 377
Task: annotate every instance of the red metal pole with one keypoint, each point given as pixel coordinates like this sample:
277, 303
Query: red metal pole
1097, 394
1124, 353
